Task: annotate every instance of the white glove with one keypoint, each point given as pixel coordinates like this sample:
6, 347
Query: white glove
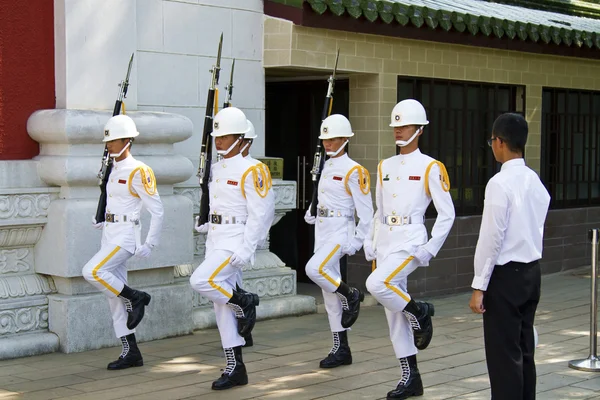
309, 218
143, 251
351, 248
237, 261
97, 225
370, 253
201, 228
422, 255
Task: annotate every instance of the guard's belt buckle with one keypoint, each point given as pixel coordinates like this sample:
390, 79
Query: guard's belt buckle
216, 218
323, 212
114, 218
397, 220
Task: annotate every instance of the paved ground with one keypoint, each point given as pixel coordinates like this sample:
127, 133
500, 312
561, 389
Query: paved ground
284, 362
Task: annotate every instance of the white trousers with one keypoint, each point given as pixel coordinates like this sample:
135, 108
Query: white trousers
324, 269
107, 271
215, 279
388, 285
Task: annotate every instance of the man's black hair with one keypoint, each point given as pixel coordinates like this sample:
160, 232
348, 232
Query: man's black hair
512, 129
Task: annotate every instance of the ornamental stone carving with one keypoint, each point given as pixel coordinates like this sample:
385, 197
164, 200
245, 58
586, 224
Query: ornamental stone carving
23, 320
20, 206
15, 260
25, 285
19, 237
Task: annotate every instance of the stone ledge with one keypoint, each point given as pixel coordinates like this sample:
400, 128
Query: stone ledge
285, 306
28, 345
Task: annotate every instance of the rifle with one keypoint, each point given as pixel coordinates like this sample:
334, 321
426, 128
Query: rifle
206, 147
229, 87
107, 162
319, 158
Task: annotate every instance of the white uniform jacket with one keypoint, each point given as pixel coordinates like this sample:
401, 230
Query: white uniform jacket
270, 195
131, 184
238, 198
344, 188
406, 184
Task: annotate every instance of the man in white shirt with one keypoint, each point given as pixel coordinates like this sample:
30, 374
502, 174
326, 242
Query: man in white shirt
130, 187
398, 240
344, 190
507, 273
239, 206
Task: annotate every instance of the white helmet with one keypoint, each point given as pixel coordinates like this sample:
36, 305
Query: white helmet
119, 127
335, 126
230, 121
409, 112
251, 132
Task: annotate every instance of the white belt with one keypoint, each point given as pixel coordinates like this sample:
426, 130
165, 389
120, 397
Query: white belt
399, 220
227, 219
327, 213
116, 218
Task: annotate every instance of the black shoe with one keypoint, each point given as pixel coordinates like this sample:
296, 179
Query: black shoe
249, 340
235, 372
340, 352
244, 306
135, 302
410, 382
419, 316
130, 355
351, 307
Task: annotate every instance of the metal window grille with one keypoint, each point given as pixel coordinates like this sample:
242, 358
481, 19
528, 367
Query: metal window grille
570, 157
461, 115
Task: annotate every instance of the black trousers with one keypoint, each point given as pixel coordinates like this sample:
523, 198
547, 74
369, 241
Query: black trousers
510, 303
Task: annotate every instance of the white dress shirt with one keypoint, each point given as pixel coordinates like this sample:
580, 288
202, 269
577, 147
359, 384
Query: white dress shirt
238, 189
130, 186
406, 185
512, 225
344, 188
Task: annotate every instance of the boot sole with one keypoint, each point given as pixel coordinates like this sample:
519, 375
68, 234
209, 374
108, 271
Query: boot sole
139, 363
242, 383
335, 366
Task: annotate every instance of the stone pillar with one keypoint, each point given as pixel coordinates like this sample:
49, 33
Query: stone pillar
24, 203
274, 282
69, 160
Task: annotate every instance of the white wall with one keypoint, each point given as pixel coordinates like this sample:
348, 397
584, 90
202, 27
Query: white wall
175, 44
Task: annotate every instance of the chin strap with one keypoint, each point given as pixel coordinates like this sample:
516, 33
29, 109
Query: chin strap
403, 143
245, 147
223, 153
121, 152
335, 153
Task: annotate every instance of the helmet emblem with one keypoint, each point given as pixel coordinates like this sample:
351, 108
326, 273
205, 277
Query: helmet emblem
324, 129
106, 132
397, 117
216, 125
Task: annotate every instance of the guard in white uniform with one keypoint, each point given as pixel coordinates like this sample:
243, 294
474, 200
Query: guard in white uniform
344, 188
131, 185
238, 210
247, 144
406, 184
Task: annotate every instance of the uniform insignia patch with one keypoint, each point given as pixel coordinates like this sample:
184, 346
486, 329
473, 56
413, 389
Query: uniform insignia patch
233, 183
260, 182
387, 177
122, 181
338, 178
216, 125
106, 132
414, 178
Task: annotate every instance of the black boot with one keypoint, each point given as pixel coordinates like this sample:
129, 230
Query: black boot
340, 352
248, 338
410, 382
419, 316
350, 306
135, 302
244, 306
130, 355
235, 372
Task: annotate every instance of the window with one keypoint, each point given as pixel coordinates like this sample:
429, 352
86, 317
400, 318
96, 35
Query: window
570, 149
461, 115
